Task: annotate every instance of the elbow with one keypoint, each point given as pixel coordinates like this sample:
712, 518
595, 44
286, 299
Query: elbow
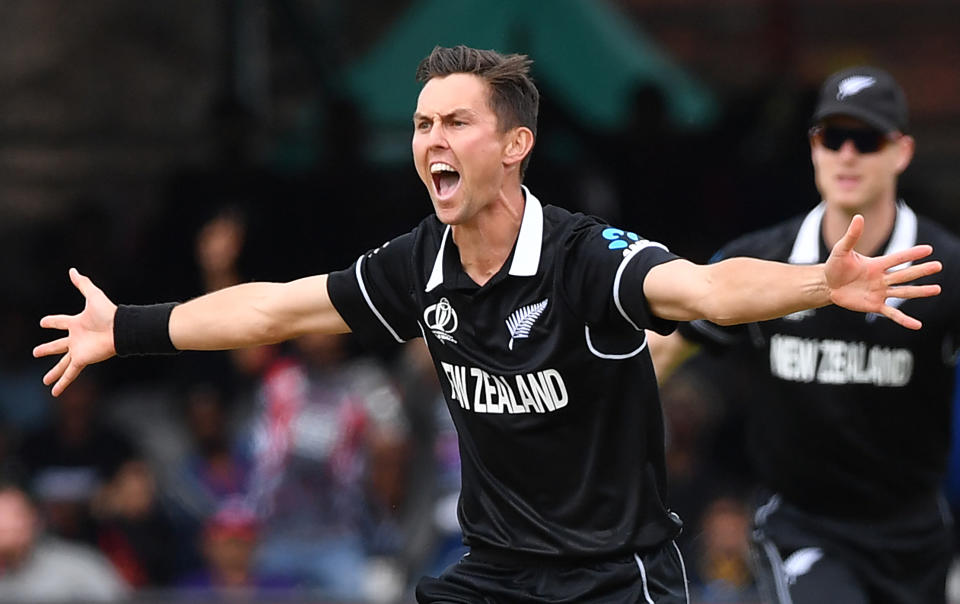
726, 320
267, 324
267, 332
715, 311
717, 301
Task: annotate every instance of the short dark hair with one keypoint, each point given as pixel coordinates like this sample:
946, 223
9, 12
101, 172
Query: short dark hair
514, 97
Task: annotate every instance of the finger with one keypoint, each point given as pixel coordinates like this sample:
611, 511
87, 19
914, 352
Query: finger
83, 283
850, 238
56, 321
900, 317
909, 255
913, 291
71, 373
914, 271
57, 370
58, 346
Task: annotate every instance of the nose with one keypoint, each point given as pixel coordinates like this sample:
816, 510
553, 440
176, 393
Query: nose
848, 150
437, 136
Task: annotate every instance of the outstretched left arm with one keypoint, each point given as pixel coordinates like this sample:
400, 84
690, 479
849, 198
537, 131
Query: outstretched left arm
743, 290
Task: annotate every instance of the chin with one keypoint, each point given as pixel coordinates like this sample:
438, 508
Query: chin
848, 201
446, 216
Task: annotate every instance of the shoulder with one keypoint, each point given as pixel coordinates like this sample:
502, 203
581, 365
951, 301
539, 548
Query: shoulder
946, 249
423, 239
566, 232
427, 232
556, 219
575, 228
944, 242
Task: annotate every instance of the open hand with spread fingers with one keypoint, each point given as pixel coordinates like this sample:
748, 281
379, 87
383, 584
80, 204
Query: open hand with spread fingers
89, 336
864, 284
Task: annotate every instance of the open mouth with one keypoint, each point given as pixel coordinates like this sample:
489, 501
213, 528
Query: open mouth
445, 179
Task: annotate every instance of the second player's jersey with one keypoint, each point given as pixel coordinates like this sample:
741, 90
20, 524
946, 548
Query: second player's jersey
850, 412
546, 375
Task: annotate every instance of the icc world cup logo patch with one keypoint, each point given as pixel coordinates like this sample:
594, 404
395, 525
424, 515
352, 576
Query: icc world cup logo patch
441, 319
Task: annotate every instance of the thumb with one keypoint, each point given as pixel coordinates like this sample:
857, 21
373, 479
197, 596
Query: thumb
83, 283
852, 236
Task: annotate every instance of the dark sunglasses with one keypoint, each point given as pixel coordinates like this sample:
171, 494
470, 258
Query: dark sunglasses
865, 140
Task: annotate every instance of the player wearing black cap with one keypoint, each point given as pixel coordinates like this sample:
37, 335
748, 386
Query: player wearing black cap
849, 431
535, 319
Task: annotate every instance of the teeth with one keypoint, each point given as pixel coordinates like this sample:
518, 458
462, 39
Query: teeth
441, 167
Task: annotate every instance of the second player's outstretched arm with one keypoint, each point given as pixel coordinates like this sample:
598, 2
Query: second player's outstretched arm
669, 352
743, 290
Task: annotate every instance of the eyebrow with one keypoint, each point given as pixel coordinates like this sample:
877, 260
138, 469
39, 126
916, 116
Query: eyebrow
460, 111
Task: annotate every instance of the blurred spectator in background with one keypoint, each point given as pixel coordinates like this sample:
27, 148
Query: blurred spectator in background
215, 468
708, 477
23, 408
691, 413
229, 543
69, 459
35, 567
722, 552
325, 420
218, 246
329, 449
133, 530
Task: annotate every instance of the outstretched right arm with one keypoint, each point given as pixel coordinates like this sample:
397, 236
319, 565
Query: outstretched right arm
249, 314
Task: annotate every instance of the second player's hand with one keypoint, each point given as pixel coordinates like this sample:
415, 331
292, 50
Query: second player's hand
89, 336
864, 284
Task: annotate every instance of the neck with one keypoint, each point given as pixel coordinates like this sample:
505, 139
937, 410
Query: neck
486, 241
878, 221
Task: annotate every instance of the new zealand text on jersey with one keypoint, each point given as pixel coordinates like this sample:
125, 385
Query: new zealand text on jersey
838, 362
482, 392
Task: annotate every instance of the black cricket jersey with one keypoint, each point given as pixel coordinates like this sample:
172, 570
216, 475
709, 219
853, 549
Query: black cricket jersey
545, 371
850, 412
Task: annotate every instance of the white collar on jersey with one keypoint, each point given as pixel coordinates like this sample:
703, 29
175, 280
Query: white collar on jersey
806, 248
526, 254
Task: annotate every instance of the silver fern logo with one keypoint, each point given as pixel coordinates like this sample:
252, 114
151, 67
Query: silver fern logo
853, 85
521, 320
800, 562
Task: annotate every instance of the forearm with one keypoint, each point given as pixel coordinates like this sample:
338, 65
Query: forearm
744, 290
252, 314
737, 290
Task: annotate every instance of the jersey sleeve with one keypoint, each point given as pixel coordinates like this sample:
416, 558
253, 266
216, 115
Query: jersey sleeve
374, 295
604, 268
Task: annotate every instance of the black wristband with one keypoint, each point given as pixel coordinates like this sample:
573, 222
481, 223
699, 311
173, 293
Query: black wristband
139, 330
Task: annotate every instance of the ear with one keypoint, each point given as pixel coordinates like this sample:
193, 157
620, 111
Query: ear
905, 148
519, 143
813, 151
